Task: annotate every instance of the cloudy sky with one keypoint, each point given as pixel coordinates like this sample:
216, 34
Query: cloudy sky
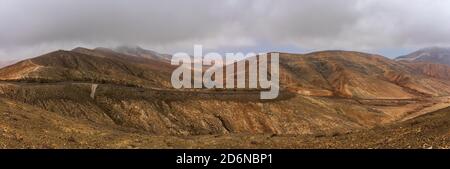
387, 27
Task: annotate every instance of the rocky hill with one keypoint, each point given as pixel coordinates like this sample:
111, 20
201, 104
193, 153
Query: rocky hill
358, 75
84, 65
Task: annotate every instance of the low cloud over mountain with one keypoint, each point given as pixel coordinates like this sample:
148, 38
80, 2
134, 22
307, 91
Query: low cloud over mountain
381, 26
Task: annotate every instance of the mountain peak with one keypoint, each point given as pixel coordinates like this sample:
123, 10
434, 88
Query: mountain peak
430, 54
141, 52
128, 47
80, 48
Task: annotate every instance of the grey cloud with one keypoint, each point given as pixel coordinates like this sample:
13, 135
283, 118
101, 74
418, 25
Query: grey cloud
103, 20
30, 26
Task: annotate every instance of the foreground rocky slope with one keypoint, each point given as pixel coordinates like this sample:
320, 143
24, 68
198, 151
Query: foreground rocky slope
23, 126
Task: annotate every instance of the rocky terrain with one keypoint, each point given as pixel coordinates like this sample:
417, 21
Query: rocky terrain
24, 126
122, 98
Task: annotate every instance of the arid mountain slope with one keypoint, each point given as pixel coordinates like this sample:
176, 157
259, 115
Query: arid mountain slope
85, 65
322, 93
23, 126
439, 71
357, 75
185, 113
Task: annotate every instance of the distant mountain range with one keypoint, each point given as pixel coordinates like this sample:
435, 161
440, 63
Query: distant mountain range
438, 55
140, 52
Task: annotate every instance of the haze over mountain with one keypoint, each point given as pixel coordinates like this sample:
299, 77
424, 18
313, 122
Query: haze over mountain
140, 52
438, 55
386, 27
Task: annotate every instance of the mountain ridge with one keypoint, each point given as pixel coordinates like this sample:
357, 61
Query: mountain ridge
439, 55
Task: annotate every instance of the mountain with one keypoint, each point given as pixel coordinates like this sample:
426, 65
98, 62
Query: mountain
357, 75
438, 55
140, 52
98, 65
69, 96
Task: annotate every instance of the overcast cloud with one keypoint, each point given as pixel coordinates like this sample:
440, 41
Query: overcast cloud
388, 27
